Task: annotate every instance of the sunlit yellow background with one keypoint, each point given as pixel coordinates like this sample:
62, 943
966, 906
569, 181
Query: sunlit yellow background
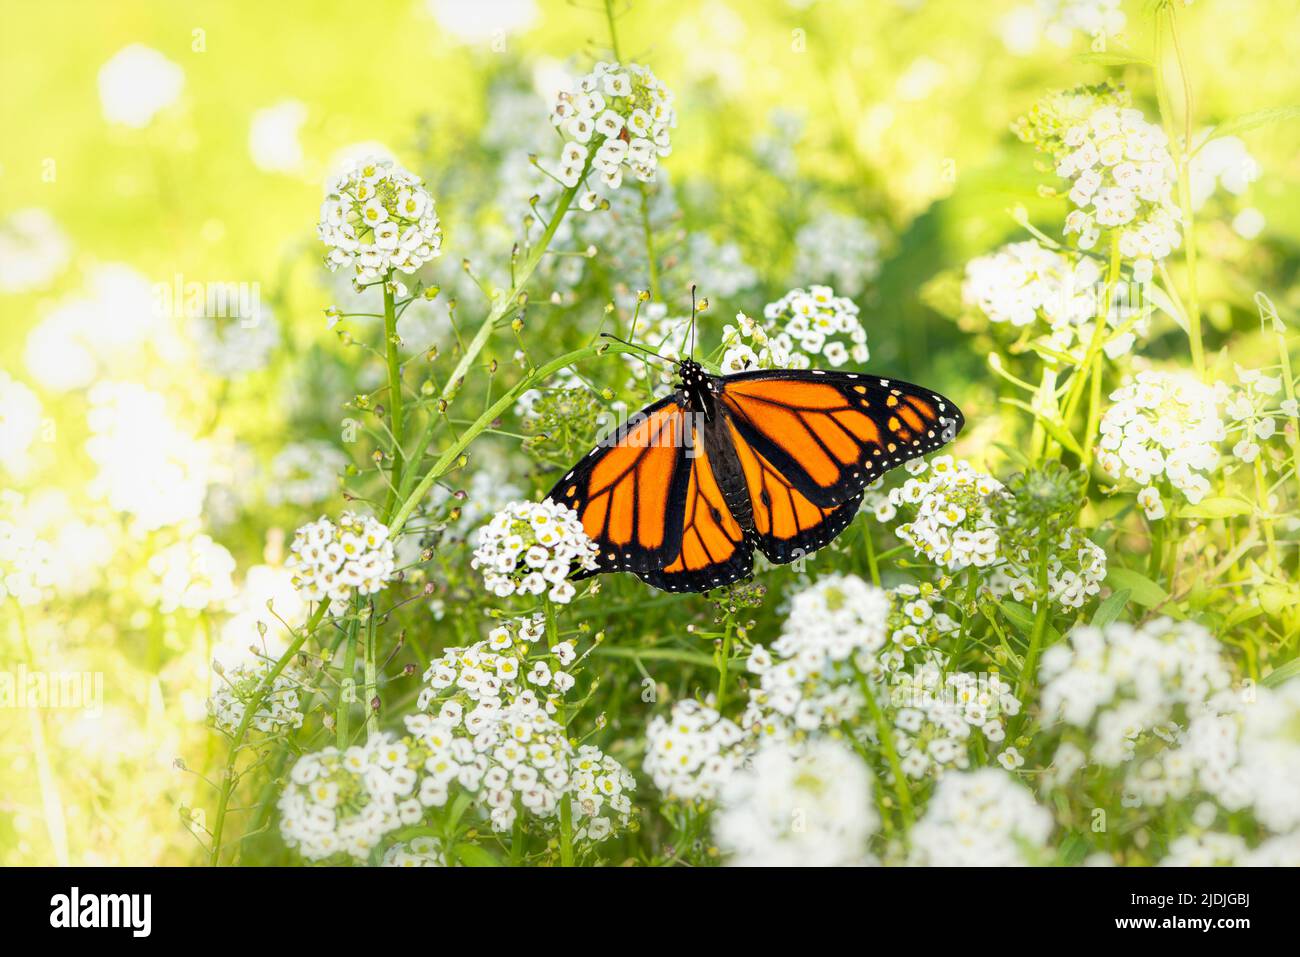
905, 109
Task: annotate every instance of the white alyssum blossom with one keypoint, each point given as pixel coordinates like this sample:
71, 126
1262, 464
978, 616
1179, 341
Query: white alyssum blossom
835, 628
980, 818
235, 345
953, 524
1253, 411
333, 562
378, 217
805, 805
344, 802
33, 250
1123, 681
21, 422
1060, 22
420, 851
1122, 178
1025, 282
531, 548
1222, 161
615, 119
1205, 850
694, 752
1076, 568
281, 707
1163, 426
136, 83
304, 473
193, 575
935, 712
487, 720
26, 561
803, 325
148, 465
837, 250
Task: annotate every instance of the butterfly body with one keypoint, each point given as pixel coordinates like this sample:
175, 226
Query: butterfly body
772, 460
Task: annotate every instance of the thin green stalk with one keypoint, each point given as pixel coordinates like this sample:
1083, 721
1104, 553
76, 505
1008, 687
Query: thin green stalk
343, 707
886, 734
372, 682
566, 806
51, 800
1091, 358
395, 397
1183, 154
254, 705
1040, 625
722, 658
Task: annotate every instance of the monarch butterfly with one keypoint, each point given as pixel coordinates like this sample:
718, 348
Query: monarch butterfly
777, 460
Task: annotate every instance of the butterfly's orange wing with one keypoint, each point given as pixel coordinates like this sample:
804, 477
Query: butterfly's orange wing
715, 550
786, 524
830, 434
630, 491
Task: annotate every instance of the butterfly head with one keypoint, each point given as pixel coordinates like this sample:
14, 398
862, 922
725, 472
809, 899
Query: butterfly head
696, 386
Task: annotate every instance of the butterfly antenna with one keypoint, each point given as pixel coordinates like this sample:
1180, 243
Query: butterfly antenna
689, 337
649, 353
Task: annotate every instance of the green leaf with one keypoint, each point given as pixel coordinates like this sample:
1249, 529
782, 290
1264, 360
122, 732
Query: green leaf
1022, 616
1113, 59
1284, 673
1141, 589
1109, 610
471, 855
1250, 121
1220, 506
1161, 300
1055, 429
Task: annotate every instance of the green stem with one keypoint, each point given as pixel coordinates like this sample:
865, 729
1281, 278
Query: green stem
1040, 625
1183, 154
343, 707
886, 735
721, 660
566, 805
372, 682
254, 705
395, 397
1090, 365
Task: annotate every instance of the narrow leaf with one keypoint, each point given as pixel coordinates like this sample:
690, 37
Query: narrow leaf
1141, 589
1109, 610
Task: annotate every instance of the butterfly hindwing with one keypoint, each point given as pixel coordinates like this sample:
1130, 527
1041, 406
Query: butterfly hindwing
630, 491
830, 434
786, 525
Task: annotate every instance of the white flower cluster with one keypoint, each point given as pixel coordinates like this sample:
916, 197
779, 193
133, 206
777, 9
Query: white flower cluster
1023, 282
1076, 567
231, 346
1251, 758
600, 794
622, 113
980, 819
26, 561
1123, 179
530, 548
693, 753
1124, 680
797, 806
1163, 424
281, 708
838, 250
936, 711
344, 802
33, 250
914, 623
334, 562
417, 852
1223, 160
719, 268
136, 83
953, 525
20, 423
1059, 20
836, 627
304, 473
488, 724
378, 217
1251, 413
193, 575
800, 325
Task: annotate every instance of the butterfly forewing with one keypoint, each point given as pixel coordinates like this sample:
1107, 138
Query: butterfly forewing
630, 491
831, 434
